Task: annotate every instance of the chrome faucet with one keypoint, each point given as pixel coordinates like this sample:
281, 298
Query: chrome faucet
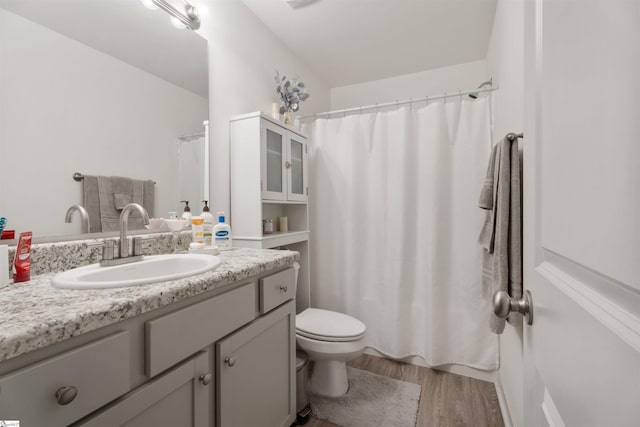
124, 222
84, 215
108, 258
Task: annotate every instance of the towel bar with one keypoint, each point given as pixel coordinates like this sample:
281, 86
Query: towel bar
79, 177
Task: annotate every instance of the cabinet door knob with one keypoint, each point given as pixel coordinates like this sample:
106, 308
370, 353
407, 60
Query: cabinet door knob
205, 379
230, 361
288, 165
65, 395
283, 288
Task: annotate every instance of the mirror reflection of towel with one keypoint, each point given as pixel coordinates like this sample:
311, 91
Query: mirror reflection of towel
105, 197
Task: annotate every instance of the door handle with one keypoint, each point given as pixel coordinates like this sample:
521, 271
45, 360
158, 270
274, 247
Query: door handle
503, 304
288, 164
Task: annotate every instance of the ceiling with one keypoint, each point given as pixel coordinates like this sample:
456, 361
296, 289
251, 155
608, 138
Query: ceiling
353, 41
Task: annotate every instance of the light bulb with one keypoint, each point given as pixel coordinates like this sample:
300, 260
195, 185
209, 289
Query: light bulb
203, 10
149, 4
177, 23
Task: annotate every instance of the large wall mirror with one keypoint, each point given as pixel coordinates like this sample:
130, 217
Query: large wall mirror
99, 87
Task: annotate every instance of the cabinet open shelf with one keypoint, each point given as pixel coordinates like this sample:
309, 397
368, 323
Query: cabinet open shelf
277, 239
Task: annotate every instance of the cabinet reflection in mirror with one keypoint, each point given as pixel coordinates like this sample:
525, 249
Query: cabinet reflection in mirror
107, 99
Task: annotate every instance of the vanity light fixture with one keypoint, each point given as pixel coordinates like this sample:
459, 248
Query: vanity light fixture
190, 18
299, 3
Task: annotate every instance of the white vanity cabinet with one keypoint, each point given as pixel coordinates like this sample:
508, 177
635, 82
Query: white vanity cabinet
269, 172
180, 397
256, 364
256, 372
64, 388
166, 366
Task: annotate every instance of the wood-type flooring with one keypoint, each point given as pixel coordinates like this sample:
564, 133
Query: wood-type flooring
447, 400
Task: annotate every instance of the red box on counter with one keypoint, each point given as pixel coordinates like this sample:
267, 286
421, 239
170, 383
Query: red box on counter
8, 234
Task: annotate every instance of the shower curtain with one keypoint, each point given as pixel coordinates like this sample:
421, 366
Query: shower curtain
395, 221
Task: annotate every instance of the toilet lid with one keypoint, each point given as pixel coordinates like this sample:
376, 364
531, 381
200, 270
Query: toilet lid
328, 325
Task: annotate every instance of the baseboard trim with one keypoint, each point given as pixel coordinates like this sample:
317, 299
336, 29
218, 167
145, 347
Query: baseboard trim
466, 371
502, 401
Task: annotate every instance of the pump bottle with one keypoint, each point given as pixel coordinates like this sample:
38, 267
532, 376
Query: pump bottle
222, 233
208, 224
187, 212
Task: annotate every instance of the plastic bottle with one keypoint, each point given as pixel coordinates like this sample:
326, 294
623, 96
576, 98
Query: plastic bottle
222, 233
197, 229
208, 224
187, 212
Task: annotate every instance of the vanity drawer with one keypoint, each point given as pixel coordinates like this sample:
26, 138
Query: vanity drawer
176, 336
99, 372
276, 289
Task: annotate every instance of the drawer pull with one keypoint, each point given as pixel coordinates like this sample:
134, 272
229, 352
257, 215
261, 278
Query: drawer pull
283, 288
65, 395
205, 379
230, 361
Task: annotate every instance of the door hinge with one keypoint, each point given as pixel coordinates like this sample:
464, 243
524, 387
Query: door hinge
261, 185
307, 191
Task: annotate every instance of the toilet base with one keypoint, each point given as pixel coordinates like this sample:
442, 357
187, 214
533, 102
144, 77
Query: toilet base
329, 378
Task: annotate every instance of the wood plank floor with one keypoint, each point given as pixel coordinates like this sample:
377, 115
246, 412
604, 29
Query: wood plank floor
446, 400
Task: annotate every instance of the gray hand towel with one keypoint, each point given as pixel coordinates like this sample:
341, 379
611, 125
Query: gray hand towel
105, 197
501, 234
488, 197
487, 193
148, 197
109, 215
91, 202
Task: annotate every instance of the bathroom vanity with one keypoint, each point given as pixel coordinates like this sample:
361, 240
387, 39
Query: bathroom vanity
217, 349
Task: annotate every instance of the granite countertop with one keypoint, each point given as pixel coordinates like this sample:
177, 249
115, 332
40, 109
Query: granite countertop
34, 314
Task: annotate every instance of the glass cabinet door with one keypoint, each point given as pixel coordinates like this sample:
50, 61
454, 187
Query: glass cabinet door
274, 157
297, 168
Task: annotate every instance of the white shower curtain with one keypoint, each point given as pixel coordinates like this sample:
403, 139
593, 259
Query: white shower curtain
395, 222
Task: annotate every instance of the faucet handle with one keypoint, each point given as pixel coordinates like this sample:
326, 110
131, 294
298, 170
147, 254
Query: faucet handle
108, 250
137, 245
93, 245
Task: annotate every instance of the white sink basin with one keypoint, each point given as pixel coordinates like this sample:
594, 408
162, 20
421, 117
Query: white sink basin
154, 268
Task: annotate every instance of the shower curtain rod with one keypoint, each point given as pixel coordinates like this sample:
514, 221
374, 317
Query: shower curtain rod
397, 103
189, 138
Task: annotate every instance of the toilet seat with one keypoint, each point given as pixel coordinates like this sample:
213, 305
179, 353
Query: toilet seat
325, 325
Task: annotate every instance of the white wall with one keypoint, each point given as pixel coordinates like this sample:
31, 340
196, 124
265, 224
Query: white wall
416, 85
66, 108
243, 58
505, 62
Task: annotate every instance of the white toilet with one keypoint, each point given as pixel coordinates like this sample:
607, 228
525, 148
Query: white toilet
330, 339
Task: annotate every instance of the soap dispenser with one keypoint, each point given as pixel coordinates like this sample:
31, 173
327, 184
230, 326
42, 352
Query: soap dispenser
187, 213
208, 224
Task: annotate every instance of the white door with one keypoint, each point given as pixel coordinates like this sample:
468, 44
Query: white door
582, 212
